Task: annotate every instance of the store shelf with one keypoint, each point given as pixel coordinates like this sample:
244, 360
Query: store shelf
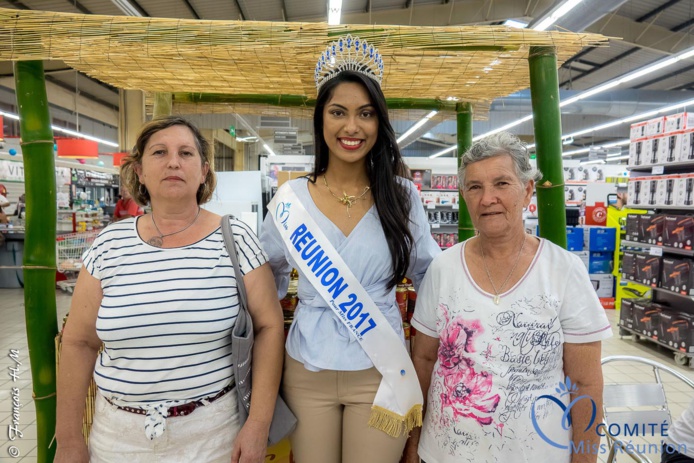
443, 225
677, 352
447, 206
669, 167
667, 249
443, 190
669, 208
673, 293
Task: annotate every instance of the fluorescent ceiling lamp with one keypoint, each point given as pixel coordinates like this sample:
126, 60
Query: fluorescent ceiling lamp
558, 13
515, 23
608, 85
617, 158
247, 139
11, 116
267, 148
334, 12
441, 153
597, 161
416, 126
126, 7
606, 145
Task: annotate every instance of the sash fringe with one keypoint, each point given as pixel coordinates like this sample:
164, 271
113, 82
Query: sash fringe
394, 424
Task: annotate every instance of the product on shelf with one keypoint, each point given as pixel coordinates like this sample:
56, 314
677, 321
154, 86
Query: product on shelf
584, 256
678, 231
650, 228
677, 330
676, 275
599, 238
626, 314
600, 262
677, 122
629, 265
631, 228
574, 238
648, 270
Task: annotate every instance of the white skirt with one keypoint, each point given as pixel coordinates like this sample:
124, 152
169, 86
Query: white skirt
206, 435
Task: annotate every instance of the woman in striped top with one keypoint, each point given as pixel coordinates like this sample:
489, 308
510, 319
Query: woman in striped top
159, 292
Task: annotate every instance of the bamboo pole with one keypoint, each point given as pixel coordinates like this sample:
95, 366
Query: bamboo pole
39, 246
464, 126
298, 100
544, 92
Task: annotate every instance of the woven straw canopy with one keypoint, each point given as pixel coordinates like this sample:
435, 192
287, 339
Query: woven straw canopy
473, 63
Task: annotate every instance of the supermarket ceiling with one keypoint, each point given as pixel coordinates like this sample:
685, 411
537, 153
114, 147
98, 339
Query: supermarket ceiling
650, 31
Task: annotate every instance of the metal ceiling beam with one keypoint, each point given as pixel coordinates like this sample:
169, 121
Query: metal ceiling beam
641, 35
19, 5
191, 9
656, 11
665, 76
241, 12
87, 95
79, 6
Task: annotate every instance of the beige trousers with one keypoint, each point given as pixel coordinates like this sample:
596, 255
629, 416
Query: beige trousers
333, 408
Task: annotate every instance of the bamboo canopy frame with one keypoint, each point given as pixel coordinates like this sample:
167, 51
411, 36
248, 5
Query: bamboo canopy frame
261, 67
472, 64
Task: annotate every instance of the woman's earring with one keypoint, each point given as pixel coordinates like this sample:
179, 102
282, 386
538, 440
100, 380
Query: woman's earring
142, 190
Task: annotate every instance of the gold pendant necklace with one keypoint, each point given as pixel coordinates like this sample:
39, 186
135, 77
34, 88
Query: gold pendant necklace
158, 240
497, 297
347, 200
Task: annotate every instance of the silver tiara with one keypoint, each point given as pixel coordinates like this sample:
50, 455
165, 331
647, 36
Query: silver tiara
349, 54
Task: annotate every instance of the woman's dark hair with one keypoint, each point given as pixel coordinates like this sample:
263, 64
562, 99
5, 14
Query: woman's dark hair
383, 164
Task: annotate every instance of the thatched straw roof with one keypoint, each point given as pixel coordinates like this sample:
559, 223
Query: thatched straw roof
471, 63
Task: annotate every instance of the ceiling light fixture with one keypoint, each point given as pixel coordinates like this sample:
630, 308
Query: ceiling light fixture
515, 23
334, 12
269, 150
126, 7
556, 14
419, 123
606, 86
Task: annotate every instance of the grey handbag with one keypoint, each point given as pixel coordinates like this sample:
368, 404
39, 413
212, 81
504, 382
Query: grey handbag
283, 420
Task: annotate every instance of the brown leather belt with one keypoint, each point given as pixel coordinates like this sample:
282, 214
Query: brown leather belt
183, 409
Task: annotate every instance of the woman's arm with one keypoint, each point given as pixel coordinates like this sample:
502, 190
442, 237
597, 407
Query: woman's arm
582, 365
424, 358
80, 346
268, 354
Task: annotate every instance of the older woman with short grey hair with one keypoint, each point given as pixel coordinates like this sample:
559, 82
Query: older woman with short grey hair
503, 337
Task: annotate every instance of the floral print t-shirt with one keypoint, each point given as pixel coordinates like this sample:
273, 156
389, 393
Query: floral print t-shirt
497, 364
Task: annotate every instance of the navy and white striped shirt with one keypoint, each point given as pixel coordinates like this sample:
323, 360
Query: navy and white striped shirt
166, 315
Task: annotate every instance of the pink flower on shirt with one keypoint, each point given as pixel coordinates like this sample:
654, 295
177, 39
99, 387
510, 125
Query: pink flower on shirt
465, 391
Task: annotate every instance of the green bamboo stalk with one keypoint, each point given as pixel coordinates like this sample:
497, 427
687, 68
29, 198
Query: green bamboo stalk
163, 104
39, 246
464, 125
544, 92
298, 100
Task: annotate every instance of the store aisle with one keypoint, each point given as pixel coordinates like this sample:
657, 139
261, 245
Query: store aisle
13, 337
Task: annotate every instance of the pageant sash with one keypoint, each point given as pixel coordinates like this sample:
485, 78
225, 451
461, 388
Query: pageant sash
397, 407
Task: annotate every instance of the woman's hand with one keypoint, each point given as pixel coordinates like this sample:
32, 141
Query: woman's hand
250, 445
74, 453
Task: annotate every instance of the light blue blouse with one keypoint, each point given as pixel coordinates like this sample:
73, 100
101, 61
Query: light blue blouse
317, 338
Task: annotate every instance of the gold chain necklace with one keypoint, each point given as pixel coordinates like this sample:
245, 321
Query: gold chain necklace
497, 298
158, 241
347, 200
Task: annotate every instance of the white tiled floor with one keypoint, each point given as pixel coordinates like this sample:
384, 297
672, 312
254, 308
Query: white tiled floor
12, 336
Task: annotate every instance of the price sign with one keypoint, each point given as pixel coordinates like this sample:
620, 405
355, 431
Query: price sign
656, 251
657, 170
435, 225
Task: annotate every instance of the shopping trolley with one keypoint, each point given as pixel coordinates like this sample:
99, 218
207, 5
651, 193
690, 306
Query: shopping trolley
69, 250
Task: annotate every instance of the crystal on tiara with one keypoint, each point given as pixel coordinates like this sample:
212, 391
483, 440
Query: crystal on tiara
349, 54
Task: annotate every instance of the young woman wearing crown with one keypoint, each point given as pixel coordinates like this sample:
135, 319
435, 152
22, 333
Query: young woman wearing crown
353, 229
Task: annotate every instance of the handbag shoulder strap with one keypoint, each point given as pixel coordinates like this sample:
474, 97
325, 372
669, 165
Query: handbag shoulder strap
230, 244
